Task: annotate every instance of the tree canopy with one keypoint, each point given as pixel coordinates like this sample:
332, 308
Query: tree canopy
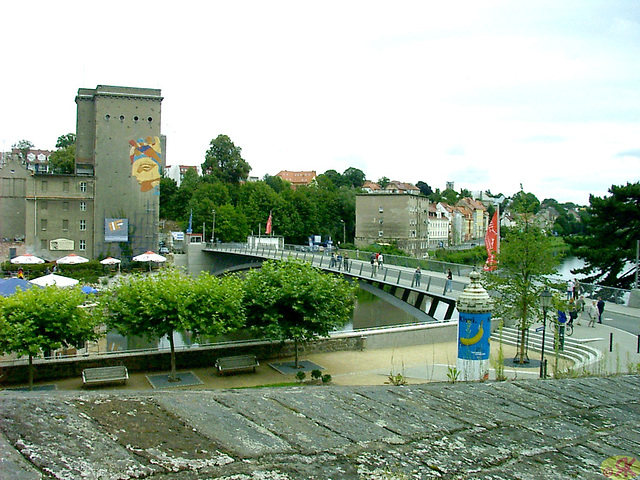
293, 300
40, 320
525, 258
63, 160
154, 306
224, 161
609, 245
23, 147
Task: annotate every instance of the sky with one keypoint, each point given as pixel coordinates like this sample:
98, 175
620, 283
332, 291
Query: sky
491, 95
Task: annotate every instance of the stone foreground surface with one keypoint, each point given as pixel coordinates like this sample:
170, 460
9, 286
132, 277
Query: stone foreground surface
510, 430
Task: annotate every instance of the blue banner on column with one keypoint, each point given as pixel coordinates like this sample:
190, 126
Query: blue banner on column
474, 330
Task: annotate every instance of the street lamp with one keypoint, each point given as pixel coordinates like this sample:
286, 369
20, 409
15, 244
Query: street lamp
213, 229
545, 300
344, 232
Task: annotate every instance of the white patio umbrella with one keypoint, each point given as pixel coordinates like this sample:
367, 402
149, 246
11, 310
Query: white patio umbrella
26, 259
53, 279
72, 259
111, 261
149, 257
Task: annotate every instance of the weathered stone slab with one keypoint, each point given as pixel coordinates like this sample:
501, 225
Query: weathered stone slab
225, 425
304, 433
13, 465
54, 437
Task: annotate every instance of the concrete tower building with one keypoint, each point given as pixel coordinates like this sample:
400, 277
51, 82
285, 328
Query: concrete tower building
120, 143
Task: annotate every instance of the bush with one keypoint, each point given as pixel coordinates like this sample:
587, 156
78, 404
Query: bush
300, 376
316, 374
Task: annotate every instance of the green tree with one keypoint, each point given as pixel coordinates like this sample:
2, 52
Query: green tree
354, 177
523, 202
168, 190
158, 305
67, 140
23, 147
425, 189
292, 300
63, 160
224, 161
40, 320
609, 244
383, 182
526, 257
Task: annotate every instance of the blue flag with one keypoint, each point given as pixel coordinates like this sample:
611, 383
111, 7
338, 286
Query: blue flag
189, 229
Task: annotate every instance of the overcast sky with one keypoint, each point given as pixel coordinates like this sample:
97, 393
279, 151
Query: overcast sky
487, 94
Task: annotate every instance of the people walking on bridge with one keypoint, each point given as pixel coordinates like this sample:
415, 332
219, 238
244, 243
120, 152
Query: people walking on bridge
374, 267
449, 285
332, 261
580, 307
339, 261
380, 261
417, 275
345, 261
600, 306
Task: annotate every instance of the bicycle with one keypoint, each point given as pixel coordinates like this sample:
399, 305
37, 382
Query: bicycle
568, 327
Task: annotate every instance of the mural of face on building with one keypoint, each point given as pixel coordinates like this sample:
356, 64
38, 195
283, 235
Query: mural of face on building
146, 162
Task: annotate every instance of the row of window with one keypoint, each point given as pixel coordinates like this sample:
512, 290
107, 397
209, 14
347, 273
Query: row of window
44, 244
66, 185
65, 225
44, 205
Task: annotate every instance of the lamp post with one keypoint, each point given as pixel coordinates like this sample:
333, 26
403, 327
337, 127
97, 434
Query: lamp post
545, 300
344, 232
213, 228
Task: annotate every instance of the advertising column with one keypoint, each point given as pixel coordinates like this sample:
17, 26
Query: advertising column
474, 330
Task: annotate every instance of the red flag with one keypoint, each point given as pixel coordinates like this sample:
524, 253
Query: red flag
491, 243
268, 229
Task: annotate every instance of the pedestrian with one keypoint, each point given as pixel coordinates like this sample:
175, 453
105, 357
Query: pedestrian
570, 286
580, 307
332, 262
449, 285
417, 275
577, 289
20, 273
600, 306
573, 311
592, 312
380, 261
345, 261
374, 267
339, 261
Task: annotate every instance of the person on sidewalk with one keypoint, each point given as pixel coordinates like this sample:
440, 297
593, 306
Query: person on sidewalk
570, 286
449, 285
600, 305
416, 277
580, 307
592, 312
573, 311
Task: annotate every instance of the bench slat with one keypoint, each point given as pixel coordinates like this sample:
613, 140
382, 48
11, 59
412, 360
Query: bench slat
117, 373
238, 362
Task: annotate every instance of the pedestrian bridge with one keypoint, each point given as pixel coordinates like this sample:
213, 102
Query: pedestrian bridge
424, 300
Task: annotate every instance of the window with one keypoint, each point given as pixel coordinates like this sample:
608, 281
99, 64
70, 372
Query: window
380, 233
381, 210
83, 225
43, 244
381, 221
44, 204
83, 206
43, 224
82, 245
83, 186
43, 186
65, 206
65, 186
65, 225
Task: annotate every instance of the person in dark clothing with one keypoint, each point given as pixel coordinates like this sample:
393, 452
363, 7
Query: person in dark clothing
600, 306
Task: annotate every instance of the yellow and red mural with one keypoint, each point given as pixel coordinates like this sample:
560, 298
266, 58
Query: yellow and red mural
146, 162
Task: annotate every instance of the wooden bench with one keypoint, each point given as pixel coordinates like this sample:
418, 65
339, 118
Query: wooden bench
236, 363
99, 375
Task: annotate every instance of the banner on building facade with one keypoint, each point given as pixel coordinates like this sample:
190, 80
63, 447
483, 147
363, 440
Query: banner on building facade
116, 230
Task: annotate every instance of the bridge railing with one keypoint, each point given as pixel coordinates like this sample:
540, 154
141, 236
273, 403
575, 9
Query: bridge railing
354, 263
